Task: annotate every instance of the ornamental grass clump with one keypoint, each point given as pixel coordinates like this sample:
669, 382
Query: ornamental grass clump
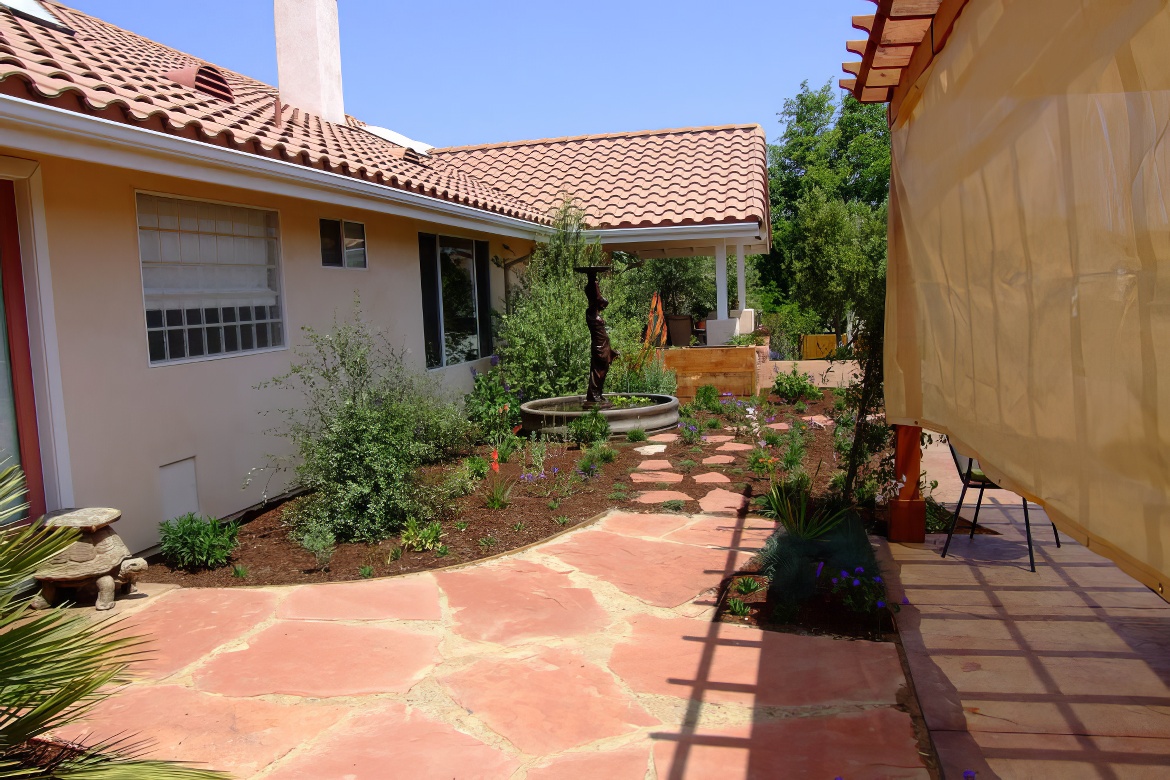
194, 542
364, 425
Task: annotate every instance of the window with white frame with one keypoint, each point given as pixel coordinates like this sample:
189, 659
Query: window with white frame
343, 244
210, 278
456, 293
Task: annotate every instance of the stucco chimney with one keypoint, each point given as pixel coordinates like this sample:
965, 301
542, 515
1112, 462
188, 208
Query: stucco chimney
308, 57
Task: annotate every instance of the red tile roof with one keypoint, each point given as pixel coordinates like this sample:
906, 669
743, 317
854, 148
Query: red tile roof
106, 71
710, 175
691, 176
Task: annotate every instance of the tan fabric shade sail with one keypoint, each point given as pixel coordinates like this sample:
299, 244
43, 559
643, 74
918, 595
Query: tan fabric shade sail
1029, 273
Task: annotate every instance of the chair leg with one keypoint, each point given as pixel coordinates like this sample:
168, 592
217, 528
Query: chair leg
1028, 531
978, 503
954, 520
1056, 534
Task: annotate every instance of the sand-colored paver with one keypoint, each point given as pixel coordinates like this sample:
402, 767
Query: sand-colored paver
510, 602
393, 742
195, 622
723, 501
655, 477
712, 478
1064, 672
302, 658
654, 465
589, 656
547, 702
651, 449
415, 598
661, 497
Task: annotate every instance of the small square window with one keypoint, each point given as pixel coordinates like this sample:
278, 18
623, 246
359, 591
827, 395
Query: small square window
343, 244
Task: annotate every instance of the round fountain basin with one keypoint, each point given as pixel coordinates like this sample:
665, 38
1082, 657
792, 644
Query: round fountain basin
551, 416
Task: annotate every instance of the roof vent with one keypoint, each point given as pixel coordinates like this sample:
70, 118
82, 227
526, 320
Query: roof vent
204, 78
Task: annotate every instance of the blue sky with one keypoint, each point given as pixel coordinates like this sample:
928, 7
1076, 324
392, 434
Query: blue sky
451, 72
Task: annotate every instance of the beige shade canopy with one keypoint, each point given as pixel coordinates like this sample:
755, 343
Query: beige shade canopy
1029, 274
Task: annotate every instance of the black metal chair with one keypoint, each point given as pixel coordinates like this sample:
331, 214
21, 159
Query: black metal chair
972, 475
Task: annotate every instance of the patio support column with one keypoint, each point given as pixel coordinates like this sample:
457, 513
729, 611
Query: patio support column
908, 510
741, 275
721, 279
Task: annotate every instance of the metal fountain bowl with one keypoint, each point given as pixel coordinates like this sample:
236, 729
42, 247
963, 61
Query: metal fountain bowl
551, 416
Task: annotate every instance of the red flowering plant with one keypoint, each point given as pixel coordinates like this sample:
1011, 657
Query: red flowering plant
492, 405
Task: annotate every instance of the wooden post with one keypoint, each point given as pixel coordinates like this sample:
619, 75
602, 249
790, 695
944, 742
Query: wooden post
908, 510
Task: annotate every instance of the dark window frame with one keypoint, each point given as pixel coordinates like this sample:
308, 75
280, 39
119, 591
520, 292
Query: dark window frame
338, 255
434, 336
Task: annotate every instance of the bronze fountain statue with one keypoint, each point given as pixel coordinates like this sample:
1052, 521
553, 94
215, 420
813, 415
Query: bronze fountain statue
601, 352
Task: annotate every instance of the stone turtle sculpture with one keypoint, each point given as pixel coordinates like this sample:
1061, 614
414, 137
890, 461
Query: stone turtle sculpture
98, 559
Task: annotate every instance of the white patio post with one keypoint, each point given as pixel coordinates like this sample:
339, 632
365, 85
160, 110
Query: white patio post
721, 279
741, 276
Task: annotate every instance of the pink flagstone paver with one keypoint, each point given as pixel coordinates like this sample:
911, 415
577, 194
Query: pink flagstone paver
395, 743
317, 659
873, 744
760, 668
515, 601
664, 438
662, 496
548, 702
399, 598
718, 460
187, 624
723, 532
643, 525
819, 419
719, 438
242, 736
712, 477
720, 500
734, 446
663, 574
654, 465
626, 764
779, 426
656, 476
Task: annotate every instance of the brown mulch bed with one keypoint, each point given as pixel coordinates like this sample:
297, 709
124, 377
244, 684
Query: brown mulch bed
271, 558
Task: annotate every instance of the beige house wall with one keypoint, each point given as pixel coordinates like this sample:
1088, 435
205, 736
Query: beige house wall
125, 418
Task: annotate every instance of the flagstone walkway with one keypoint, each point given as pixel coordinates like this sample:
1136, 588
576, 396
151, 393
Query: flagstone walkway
1064, 672
590, 656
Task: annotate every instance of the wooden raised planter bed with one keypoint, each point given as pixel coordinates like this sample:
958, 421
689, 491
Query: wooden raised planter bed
730, 369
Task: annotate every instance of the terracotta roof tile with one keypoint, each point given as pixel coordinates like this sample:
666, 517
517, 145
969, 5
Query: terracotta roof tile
109, 72
691, 176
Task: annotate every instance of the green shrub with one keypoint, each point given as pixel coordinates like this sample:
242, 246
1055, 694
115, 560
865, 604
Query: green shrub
505, 445
636, 435
712, 423
491, 406
499, 495
674, 505
603, 453
785, 328
320, 541
938, 519
364, 426
641, 371
419, 537
477, 467
589, 428
738, 607
686, 465
793, 513
795, 386
761, 461
240, 571
707, 399
365, 572
194, 542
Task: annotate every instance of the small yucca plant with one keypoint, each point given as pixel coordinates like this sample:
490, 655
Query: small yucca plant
56, 666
